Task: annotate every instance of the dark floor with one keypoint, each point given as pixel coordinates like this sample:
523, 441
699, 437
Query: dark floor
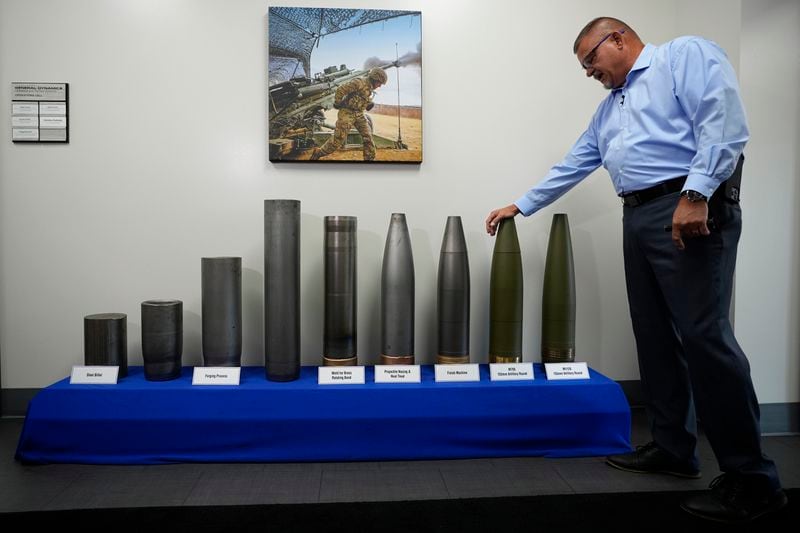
32, 488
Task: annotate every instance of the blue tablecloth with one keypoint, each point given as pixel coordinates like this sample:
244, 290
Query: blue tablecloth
143, 422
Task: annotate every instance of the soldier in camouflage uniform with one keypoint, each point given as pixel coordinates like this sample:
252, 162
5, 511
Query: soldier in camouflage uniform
352, 99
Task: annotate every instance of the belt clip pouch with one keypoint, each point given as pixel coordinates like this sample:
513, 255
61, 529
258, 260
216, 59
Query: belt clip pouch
734, 183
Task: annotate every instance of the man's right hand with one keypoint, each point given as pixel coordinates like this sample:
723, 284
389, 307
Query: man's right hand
494, 218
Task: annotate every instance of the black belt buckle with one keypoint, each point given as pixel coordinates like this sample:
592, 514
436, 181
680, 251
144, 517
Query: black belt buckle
631, 200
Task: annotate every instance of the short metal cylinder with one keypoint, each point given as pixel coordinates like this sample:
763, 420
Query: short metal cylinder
105, 341
339, 338
282, 289
222, 310
397, 295
453, 295
162, 339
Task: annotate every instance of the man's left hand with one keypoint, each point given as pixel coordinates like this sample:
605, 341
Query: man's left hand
689, 220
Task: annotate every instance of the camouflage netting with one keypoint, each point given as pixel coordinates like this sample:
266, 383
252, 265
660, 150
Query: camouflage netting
294, 31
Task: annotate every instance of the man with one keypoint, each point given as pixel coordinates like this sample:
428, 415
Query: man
352, 99
671, 133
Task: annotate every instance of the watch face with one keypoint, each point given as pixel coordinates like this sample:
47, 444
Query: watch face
694, 196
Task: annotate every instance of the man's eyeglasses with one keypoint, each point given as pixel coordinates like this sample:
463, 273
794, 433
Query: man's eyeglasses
589, 58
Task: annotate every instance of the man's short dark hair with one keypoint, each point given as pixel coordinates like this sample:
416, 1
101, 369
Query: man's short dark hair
610, 23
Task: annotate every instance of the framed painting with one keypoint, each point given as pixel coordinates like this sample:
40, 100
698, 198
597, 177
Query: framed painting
345, 85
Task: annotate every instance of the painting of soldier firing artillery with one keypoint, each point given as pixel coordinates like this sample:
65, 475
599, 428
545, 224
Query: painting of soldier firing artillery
345, 85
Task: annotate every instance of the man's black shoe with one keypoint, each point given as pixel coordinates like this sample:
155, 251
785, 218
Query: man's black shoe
733, 500
652, 459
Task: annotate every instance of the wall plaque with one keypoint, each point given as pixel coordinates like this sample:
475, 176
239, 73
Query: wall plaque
39, 112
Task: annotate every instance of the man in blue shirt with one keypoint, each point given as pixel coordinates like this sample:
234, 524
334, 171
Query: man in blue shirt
671, 132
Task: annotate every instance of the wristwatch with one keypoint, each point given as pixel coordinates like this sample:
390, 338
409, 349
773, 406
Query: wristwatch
694, 196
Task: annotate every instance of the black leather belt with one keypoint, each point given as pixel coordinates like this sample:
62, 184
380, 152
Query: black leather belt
637, 198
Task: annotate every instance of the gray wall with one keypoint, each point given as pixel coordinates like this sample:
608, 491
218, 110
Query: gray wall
768, 292
167, 163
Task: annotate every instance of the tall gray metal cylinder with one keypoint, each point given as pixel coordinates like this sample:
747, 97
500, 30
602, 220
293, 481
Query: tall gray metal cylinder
397, 295
162, 339
282, 289
105, 341
222, 310
453, 296
339, 340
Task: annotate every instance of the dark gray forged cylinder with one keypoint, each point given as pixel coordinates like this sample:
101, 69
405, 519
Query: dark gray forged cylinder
282, 289
162, 339
222, 311
339, 339
105, 341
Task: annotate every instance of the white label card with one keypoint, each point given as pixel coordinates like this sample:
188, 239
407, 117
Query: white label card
566, 371
397, 374
94, 375
216, 375
53, 122
511, 371
46, 108
23, 121
24, 134
25, 109
340, 375
468, 372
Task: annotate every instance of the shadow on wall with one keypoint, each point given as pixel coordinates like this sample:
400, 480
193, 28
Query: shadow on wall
370, 254
252, 317
192, 338
312, 288
425, 319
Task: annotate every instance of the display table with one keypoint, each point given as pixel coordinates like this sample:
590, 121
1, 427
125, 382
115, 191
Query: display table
143, 422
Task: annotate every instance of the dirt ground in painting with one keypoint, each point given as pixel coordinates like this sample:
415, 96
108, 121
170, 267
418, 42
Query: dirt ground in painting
390, 155
385, 126
410, 129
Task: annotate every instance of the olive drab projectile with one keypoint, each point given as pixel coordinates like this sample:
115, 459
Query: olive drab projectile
505, 296
558, 295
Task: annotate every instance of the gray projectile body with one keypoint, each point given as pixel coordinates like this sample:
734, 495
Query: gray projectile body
282, 289
339, 339
453, 295
222, 310
162, 339
397, 295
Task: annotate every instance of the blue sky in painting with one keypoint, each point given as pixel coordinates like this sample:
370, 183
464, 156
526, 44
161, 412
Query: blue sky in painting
355, 46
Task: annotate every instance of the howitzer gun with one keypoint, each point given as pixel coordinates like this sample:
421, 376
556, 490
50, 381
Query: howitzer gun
296, 107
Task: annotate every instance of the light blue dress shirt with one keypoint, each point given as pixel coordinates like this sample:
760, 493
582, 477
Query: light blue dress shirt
678, 114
